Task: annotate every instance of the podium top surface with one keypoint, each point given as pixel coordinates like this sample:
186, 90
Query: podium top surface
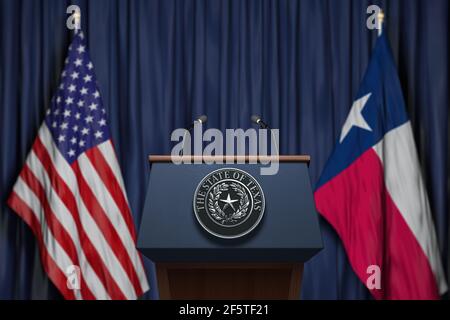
246, 158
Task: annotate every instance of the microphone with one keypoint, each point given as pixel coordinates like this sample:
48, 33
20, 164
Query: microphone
257, 119
202, 119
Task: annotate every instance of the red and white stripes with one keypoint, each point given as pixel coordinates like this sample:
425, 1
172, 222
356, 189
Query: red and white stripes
379, 207
80, 216
404, 183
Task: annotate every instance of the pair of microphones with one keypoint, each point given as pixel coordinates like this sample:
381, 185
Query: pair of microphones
255, 119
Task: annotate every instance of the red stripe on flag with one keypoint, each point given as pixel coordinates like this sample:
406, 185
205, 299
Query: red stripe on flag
66, 195
55, 274
56, 228
109, 179
107, 228
113, 186
374, 232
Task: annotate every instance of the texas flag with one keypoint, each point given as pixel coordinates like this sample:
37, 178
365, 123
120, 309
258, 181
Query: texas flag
372, 192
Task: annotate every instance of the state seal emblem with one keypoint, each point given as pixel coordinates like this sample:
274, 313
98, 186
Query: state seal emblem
229, 203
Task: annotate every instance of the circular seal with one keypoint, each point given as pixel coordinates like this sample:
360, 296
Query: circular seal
229, 203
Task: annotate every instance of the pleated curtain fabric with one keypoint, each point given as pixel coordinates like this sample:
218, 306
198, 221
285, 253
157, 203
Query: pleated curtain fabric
159, 64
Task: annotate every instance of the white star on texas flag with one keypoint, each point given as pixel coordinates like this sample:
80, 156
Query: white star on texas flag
355, 117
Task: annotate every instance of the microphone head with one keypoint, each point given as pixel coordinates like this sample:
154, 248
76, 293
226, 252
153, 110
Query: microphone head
202, 119
255, 118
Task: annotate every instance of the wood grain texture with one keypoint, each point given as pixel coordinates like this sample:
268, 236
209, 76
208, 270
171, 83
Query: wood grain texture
231, 159
229, 280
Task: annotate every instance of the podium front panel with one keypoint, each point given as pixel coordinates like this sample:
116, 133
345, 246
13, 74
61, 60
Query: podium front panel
288, 232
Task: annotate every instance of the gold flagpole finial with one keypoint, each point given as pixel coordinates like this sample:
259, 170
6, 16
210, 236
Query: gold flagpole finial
380, 18
77, 17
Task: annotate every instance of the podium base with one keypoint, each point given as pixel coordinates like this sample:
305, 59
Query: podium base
229, 280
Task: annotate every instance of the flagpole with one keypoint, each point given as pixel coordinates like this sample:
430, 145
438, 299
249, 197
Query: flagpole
380, 22
77, 17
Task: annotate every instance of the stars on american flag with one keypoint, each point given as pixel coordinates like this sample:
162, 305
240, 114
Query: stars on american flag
89, 119
87, 78
69, 100
81, 49
77, 116
74, 75
83, 91
98, 134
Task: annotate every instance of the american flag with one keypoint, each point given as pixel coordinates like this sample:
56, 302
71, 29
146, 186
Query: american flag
71, 193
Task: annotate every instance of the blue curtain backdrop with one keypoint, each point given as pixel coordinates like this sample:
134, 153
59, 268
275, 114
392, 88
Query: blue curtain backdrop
161, 63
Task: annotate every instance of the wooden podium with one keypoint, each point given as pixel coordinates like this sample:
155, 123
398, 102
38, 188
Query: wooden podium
267, 263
